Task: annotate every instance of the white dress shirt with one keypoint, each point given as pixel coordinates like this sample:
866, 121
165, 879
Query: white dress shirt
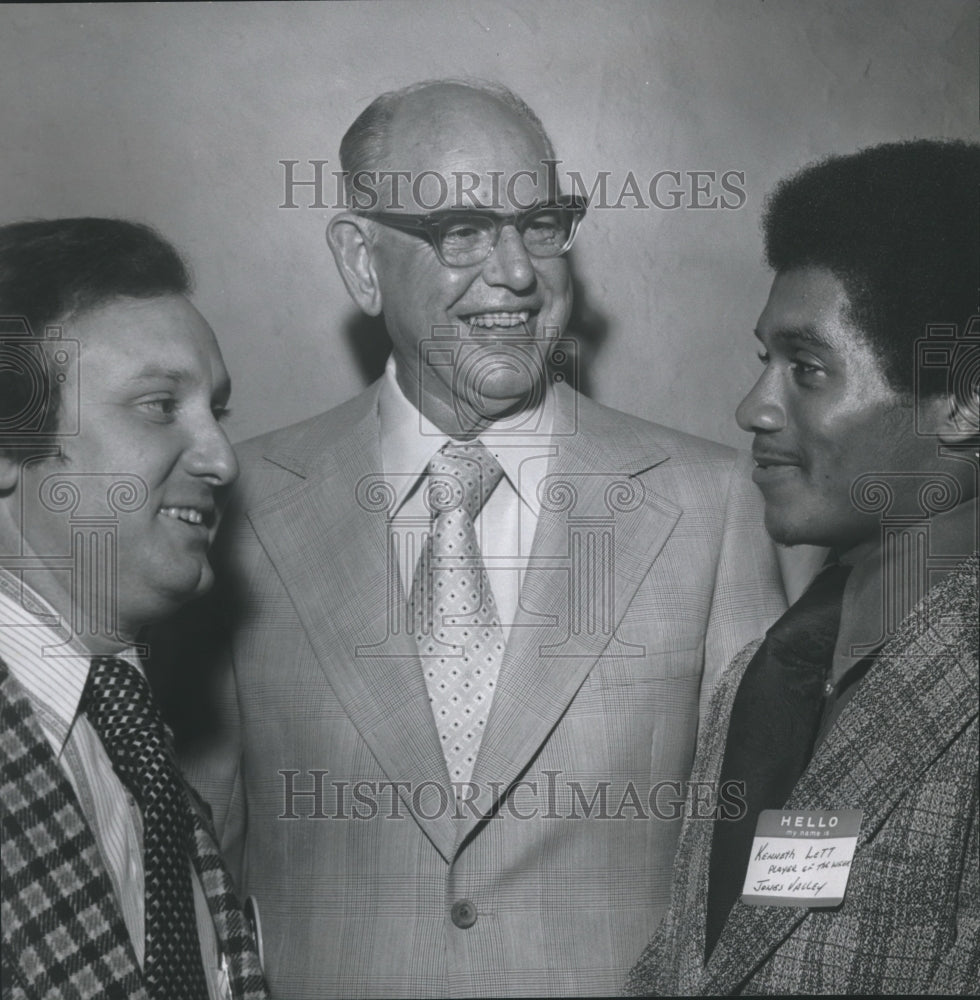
53, 670
505, 527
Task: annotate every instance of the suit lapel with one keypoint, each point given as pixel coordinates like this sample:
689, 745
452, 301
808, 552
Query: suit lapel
328, 539
924, 687
61, 921
600, 528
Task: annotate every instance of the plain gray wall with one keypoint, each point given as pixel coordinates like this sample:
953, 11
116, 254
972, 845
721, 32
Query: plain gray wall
179, 115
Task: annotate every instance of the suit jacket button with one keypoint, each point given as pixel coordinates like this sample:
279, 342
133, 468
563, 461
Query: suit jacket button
463, 914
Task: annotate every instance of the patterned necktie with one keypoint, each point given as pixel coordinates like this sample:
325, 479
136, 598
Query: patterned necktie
453, 610
774, 722
119, 704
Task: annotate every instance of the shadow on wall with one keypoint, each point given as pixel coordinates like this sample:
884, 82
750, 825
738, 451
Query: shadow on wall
588, 327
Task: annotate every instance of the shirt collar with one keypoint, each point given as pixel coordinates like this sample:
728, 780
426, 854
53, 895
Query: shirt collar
48, 661
409, 440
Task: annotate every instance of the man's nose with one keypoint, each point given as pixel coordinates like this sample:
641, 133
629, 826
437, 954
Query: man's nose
762, 409
211, 455
510, 264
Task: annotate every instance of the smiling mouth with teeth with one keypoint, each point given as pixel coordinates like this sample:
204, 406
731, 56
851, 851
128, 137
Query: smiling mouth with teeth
189, 515
499, 320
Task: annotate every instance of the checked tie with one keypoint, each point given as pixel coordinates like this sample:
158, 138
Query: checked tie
119, 704
774, 723
453, 610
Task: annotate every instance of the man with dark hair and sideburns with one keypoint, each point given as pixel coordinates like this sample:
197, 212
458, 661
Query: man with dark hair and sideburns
852, 727
114, 468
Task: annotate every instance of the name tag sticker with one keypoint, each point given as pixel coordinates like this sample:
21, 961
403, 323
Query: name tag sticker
801, 857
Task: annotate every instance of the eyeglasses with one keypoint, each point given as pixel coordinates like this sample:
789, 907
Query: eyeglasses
462, 237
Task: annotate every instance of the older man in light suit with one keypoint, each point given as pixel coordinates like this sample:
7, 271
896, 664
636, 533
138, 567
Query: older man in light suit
472, 612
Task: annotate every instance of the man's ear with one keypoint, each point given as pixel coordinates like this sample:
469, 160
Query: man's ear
350, 243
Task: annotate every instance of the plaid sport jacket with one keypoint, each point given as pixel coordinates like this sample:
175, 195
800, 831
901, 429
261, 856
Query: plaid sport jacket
903, 751
62, 931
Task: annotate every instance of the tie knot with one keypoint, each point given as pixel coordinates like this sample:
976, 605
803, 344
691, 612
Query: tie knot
461, 475
117, 699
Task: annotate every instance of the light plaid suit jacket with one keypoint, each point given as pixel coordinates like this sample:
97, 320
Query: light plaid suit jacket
63, 933
356, 886
904, 751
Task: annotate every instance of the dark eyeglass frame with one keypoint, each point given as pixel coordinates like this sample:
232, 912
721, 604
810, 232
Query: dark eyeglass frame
428, 226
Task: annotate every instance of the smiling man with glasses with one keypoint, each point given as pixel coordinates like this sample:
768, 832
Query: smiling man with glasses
474, 611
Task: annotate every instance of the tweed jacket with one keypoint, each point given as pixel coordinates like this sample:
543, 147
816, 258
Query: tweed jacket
63, 932
328, 780
904, 751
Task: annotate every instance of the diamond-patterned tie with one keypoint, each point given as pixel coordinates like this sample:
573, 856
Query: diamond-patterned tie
453, 610
119, 704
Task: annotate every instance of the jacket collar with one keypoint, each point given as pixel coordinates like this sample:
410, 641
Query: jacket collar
327, 535
923, 686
